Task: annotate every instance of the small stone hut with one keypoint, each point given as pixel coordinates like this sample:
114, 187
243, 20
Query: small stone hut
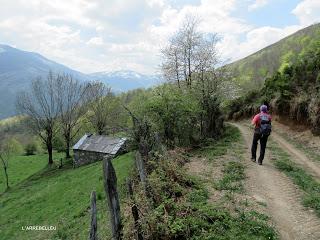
91, 148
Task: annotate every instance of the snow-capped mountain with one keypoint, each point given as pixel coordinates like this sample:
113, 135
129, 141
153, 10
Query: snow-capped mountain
126, 80
18, 68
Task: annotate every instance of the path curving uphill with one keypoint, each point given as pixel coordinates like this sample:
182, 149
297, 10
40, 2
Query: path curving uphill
283, 199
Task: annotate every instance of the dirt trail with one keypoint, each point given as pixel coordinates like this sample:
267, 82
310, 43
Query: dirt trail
298, 156
266, 184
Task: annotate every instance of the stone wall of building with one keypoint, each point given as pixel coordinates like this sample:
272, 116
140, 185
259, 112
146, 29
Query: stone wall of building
85, 157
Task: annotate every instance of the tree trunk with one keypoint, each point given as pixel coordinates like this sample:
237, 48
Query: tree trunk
68, 141
49, 149
7, 177
100, 131
177, 69
50, 155
189, 67
49, 144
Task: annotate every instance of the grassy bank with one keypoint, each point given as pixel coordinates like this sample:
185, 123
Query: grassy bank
22, 167
61, 198
309, 186
233, 175
215, 149
311, 153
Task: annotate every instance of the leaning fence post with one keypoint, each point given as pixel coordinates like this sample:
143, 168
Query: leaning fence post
143, 175
110, 186
93, 226
141, 169
134, 210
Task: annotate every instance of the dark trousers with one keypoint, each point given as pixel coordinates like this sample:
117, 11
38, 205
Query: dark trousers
263, 144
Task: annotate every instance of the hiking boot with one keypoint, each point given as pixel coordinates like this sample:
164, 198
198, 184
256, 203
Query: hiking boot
259, 162
253, 160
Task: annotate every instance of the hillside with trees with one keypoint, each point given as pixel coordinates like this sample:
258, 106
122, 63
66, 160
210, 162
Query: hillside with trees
251, 72
292, 92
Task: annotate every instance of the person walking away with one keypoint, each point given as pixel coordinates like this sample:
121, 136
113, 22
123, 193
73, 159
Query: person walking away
262, 130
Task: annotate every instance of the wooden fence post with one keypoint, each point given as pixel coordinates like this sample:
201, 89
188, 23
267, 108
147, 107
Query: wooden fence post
141, 169
134, 210
143, 175
110, 186
93, 226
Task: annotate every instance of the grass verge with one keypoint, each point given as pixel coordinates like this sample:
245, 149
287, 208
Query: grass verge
233, 174
310, 187
218, 148
302, 146
22, 167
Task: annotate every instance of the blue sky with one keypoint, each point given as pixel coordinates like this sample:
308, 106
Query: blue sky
109, 35
276, 13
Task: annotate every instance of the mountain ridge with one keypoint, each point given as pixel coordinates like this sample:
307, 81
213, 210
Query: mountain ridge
18, 68
251, 71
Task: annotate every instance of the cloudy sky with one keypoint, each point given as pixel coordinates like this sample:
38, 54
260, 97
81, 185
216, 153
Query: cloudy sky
108, 35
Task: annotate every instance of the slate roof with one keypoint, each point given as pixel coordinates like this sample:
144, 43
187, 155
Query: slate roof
101, 144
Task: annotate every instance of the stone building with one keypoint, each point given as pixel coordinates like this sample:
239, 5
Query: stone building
91, 148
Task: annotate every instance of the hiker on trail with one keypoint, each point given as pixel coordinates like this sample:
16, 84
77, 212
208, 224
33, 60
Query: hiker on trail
262, 130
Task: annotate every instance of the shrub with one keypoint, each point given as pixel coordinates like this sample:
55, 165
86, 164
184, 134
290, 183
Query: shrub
31, 148
58, 144
16, 146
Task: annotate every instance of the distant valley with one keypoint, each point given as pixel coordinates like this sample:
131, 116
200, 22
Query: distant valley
18, 68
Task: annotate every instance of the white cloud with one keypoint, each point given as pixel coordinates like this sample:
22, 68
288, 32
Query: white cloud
308, 12
156, 3
95, 41
259, 38
99, 35
257, 4
92, 35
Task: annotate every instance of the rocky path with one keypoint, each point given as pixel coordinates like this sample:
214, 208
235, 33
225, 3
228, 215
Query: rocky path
282, 198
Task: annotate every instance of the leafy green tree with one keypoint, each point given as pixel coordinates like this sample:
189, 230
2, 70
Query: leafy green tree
30, 148
174, 111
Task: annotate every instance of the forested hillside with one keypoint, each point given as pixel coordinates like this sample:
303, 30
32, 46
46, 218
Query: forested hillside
292, 92
252, 71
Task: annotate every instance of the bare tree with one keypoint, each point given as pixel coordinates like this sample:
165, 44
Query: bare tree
190, 39
40, 105
99, 95
171, 65
6, 151
192, 56
179, 56
71, 99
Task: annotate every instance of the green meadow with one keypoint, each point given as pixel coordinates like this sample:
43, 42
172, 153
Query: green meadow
42, 196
